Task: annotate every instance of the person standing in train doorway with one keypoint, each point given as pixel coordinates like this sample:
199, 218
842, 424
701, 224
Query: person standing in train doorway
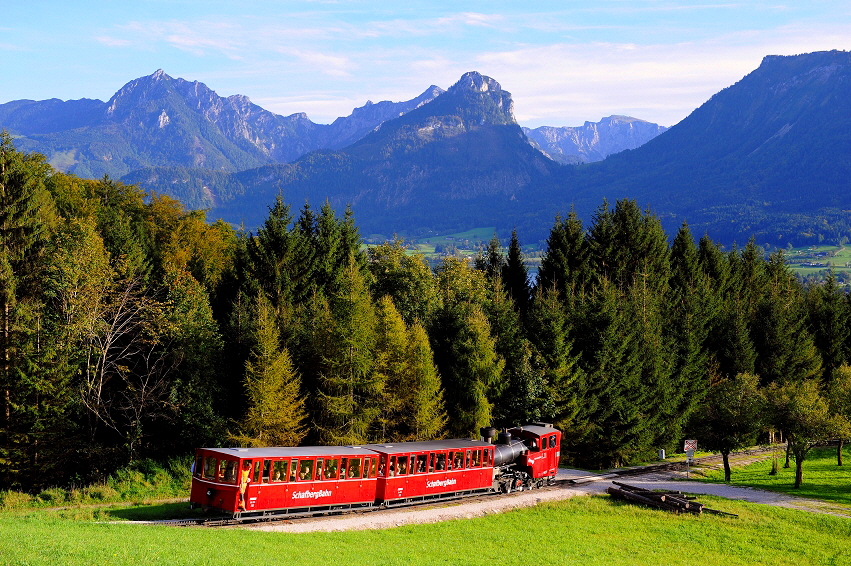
244, 480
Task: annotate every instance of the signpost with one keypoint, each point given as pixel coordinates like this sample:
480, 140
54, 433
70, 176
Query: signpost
689, 447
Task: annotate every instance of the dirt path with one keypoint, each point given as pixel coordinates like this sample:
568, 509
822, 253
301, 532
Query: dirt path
502, 503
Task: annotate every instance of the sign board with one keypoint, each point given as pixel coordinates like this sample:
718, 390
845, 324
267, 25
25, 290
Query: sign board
690, 445
689, 455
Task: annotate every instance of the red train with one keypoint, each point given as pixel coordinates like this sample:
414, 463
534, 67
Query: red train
256, 483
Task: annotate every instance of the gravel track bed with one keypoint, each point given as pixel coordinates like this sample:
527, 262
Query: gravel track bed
481, 507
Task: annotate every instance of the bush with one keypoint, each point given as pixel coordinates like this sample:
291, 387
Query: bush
101, 493
54, 495
14, 499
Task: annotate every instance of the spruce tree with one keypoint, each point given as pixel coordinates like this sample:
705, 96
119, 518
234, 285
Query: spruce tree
425, 414
515, 274
391, 370
349, 392
564, 264
275, 414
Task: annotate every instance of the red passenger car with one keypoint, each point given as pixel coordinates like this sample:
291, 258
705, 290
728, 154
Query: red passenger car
284, 481
411, 472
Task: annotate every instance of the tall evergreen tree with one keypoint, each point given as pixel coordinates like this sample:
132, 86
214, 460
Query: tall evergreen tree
515, 274
349, 392
426, 413
564, 264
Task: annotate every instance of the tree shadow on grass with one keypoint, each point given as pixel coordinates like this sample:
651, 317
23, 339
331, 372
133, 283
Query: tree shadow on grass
155, 512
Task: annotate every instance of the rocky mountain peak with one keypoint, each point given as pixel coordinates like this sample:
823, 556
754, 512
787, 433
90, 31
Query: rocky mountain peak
476, 82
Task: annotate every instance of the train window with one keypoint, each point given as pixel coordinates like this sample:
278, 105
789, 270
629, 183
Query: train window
293, 470
421, 463
227, 471
477, 458
458, 463
402, 465
553, 441
210, 466
332, 466
280, 470
344, 468
373, 467
305, 470
412, 464
431, 459
198, 466
355, 468
319, 462
267, 470
256, 475
382, 468
469, 460
441, 462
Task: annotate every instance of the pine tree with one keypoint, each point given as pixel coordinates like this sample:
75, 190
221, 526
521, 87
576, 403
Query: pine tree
275, 414
425, 413
392, 371
349, 392
515, 274
785, 348
564, 265
829, 320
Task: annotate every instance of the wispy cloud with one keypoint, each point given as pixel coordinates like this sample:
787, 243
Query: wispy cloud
112, 41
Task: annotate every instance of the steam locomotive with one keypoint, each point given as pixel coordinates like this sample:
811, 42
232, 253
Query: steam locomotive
263, 483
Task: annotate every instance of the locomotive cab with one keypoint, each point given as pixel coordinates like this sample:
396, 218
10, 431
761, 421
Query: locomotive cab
544, 448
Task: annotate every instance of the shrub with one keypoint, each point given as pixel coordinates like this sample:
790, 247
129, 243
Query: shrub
14, 499
101, 493
53, 495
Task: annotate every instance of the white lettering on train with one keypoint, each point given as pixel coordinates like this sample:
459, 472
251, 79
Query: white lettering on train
441, 483
312, 494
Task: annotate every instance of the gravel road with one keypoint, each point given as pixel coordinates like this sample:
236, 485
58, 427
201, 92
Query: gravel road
499, 504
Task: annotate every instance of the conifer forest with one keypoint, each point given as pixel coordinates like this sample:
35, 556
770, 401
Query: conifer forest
131, 327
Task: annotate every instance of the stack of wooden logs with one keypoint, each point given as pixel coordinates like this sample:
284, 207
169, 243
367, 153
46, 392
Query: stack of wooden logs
673, 501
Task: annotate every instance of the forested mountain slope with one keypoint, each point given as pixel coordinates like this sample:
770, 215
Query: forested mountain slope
769, 155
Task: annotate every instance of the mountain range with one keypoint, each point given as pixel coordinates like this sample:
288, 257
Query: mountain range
769, 155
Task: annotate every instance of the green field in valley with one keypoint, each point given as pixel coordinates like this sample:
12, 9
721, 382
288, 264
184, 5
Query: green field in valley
582, 530
818, 260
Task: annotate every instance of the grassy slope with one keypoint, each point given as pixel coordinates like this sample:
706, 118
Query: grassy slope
583, 530
823, 479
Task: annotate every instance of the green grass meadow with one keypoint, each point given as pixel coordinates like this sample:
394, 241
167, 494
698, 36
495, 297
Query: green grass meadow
582, 530
823, 479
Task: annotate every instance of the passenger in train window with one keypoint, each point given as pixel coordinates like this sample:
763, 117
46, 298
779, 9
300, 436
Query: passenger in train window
281, 470
344, 467
477, 458
392, 466
441, 462
267, 470
459, 461
331, 469
354, 468
431, 459
382, 467
553, 441
305, 471
293, 468
373, 467
227, 472
421, 464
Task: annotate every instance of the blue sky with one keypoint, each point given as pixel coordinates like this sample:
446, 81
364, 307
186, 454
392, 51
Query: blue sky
564, 62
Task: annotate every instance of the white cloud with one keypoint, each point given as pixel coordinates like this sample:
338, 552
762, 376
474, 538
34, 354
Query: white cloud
112, 41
